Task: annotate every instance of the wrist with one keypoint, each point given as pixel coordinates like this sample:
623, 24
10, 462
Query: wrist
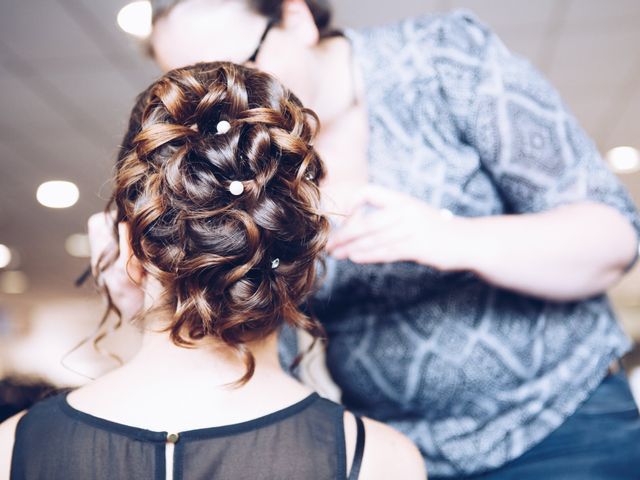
461, 233
472, 246
449, 250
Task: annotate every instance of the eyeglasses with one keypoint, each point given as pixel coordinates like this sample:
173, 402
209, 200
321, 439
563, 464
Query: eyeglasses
253, 56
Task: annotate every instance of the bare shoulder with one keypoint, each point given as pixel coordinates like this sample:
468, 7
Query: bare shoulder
387, 452
7, 437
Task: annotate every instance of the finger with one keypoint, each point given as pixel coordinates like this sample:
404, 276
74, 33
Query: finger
100, 233
382, 254
129, 262
123, 240
347, 224
361, 198
378, 196
361, 225
384, 239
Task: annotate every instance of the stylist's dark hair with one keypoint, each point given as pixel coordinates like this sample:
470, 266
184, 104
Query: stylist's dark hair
212, 251
272, 9
320, 9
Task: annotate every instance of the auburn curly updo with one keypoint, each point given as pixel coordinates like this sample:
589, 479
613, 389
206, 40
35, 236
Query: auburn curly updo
233, 267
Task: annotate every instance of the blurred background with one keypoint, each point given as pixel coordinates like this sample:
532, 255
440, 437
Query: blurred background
68, 77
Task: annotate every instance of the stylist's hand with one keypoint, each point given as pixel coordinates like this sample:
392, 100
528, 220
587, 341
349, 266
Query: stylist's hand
399, 228
120, 272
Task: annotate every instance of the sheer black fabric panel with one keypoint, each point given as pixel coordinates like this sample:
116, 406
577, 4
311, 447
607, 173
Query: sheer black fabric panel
304, 441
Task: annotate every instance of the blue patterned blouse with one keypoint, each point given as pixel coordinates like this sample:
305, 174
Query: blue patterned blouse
474, 374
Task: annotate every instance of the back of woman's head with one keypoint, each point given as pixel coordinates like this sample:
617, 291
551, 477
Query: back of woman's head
235, 260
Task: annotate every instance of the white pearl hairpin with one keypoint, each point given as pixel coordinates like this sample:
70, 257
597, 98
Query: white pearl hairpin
236, 188
275, 263
223, 127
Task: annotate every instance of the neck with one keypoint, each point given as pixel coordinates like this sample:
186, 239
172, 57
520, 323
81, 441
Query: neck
163, 360
334, 91
152, 390
160, 358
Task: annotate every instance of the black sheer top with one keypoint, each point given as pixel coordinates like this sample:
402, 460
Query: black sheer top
306, 440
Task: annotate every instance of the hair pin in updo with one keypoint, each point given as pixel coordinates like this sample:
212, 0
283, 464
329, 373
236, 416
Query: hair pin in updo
236, 188
223, 127
275, 263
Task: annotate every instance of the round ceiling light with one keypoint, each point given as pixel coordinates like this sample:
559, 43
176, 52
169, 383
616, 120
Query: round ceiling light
77, 245
57, 194
5, 256
13, 282
135, 18
624, 159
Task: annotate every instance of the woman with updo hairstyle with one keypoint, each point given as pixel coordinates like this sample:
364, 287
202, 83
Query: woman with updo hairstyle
217, 221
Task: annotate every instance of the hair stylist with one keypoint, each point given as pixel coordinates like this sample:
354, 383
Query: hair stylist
466, 306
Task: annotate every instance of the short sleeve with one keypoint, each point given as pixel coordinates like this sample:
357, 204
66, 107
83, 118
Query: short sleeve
532, 147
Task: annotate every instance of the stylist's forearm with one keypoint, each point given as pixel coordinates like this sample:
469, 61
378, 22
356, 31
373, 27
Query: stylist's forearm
568, 253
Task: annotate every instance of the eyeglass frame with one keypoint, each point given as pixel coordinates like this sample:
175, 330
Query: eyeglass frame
267, 29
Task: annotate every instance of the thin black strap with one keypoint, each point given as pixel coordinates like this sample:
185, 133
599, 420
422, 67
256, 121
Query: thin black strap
357, 456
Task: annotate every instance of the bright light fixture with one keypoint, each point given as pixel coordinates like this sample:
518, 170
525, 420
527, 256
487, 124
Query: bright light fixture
5, 256
135, 18
77, 245
624, 159
57, 194
13, 282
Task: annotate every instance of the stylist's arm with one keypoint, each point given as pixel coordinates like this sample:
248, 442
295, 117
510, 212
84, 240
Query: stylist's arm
567, 253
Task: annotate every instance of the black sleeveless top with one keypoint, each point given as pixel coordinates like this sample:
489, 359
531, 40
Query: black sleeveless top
54, 441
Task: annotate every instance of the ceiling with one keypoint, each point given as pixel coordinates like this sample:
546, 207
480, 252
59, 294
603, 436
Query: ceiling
68, 77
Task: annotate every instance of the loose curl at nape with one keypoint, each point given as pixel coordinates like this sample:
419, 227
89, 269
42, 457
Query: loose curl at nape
211, 250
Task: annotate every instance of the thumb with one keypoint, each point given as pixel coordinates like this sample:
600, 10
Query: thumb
131, 264
375, 196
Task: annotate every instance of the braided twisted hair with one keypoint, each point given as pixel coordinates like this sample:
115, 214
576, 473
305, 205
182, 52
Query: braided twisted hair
212, 251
